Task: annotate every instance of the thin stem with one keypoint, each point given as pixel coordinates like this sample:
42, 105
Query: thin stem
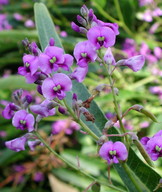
73, 166
115, 101
134, 181
105, 14
80, 122
120, 15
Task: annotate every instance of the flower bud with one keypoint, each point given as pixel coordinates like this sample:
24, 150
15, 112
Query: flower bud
102, 140
51, 41
83, 30
62, 110
75, 27
84, 11
81, 20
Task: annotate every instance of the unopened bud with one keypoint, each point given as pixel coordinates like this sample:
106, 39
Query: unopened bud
25, 42
75, 27
51, 105
116, 91
75, 97
84, 11
81, 20
102, 140
137, 107
62, 110
83, 30
51, 41
39, 89
90, 15
108, 124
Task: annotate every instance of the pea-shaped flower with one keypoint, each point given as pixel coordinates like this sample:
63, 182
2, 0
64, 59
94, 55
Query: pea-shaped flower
56, 86
101, 36
23, 120
17, 144
113, 152
84, 52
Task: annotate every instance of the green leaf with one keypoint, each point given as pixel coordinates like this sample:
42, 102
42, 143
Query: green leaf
45, 26
146, 179
15, 82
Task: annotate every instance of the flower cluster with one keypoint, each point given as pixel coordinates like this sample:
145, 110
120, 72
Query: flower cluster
46, 69
153, 145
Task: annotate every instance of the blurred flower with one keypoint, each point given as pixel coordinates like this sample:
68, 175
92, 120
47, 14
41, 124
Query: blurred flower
144, 124
66, 126
18, 17
3, 133
4, 24
17, 144
145, 2
29, 23
38, 176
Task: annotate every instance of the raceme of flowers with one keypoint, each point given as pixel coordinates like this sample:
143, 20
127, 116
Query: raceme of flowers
46, 69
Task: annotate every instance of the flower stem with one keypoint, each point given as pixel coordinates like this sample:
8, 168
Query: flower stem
80, 122
120, 15
131, 176
117, 110
75, 167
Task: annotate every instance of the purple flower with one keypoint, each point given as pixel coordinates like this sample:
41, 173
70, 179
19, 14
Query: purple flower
113, 152
53, 58
4, 2
4, 24
145, 2
101, 36
18, 17
67, 126
135, 63
144, 124
17, 144
79, 73
56, 86
144, 141
84, 52
154, 147
23, 120
113, 26
9, 111
31, 65
29, 23
42, 109
38, 177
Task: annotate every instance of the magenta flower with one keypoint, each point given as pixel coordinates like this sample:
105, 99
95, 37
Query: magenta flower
66, 126
113, 26
113, 152
17, 144
79, 73
53, 58
42, 109
84, 52
154, 147
23, 120
38, 177
31, 65
9, 110
135, 63
101, 36
56, 86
